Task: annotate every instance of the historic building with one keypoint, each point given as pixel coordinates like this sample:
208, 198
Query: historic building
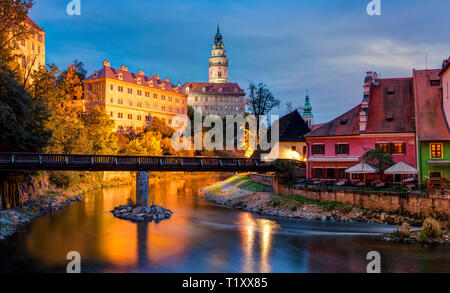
31, 52
385, 119
291, 144
431, 89
307, 112
132, 99
218, 96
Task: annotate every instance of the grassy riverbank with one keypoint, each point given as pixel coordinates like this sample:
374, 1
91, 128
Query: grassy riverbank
240, 193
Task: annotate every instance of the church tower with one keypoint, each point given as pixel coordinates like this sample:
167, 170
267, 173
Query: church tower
218, 63
307, 112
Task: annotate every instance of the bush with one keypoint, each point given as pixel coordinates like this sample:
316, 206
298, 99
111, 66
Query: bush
405, 230
430, 229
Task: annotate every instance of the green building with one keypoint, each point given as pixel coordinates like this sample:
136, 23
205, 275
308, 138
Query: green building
432, 123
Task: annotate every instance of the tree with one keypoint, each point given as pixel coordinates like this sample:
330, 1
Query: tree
379, 159
13, 25
22, 119
64, 122
261, 101
146, 144
98, 127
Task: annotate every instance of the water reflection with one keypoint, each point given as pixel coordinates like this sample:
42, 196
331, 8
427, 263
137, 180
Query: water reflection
251, 230
202, 237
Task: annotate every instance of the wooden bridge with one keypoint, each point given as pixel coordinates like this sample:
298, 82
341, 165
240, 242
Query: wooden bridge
99, 163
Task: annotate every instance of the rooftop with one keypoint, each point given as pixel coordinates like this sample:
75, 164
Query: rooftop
208, 88
135, 78
431, 124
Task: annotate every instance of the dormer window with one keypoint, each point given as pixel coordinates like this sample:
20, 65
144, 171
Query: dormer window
150, 83
138, 80
236, 90
120, 76
95, 74
204, 90
188, 89
220, 90
391, 91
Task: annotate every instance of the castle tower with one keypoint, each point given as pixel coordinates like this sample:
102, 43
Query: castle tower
307, 112
218, 63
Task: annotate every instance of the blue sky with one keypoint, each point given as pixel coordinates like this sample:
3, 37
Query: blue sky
291, 45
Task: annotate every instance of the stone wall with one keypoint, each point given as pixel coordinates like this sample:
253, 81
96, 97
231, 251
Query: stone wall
263, 179
416, 205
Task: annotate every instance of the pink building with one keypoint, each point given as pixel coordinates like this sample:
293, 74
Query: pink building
384, 119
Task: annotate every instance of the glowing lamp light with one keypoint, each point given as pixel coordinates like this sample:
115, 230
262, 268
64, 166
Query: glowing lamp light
293, 155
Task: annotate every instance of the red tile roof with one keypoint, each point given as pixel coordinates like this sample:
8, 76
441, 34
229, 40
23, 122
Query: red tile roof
391, 106
344, 125
391, 110
33, 24
213, 88
152, 82
431, 124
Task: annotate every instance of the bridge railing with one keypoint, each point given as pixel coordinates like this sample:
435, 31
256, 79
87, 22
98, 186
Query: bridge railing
113, 160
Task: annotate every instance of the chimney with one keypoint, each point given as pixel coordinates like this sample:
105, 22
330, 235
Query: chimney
141, 72
106, 63
156, 77
166, 79
123, 67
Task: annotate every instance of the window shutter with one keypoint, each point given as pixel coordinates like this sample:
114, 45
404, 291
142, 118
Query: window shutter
347, 149
404, 148
390, 148
336, 149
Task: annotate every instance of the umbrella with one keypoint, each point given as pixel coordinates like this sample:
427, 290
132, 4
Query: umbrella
401, 169
362, 168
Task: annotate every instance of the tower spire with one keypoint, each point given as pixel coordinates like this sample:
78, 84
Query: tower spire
218, 63
307, 111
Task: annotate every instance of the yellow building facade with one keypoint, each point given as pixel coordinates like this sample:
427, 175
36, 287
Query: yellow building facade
133, 99
32, 49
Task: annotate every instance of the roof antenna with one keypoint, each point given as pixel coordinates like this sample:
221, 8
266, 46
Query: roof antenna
426, 61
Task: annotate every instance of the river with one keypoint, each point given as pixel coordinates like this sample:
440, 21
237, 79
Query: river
203, 237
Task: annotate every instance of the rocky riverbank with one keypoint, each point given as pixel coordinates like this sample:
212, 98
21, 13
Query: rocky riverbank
135, 213
12, 219
237, 192
240, 193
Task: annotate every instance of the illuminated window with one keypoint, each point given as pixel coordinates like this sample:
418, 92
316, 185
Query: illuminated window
399, 148
383, 147
436, 151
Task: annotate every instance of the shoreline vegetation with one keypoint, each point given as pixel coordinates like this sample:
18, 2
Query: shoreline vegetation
44, 196
239, 192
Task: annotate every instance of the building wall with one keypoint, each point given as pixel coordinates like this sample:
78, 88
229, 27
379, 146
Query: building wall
358, 146
425, 168
139, 105
221, 105
445, 81
32, 51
